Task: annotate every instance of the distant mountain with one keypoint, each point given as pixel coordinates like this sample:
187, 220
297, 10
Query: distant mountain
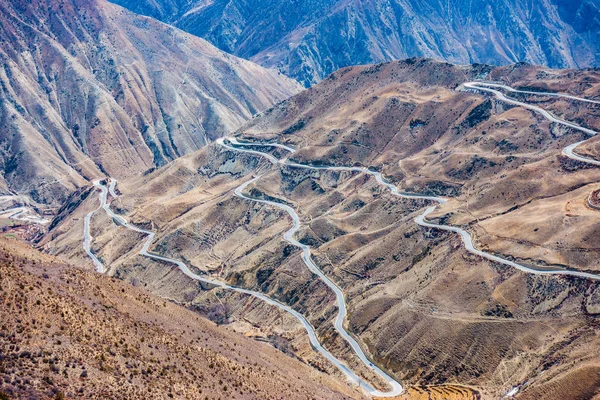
88, 89
310, 39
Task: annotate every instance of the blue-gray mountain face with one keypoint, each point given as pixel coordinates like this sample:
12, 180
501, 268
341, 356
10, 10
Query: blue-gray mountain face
308, 39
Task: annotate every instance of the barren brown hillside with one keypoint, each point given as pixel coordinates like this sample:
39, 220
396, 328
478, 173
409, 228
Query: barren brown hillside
89, 88
497, 162
426, 310
68, 333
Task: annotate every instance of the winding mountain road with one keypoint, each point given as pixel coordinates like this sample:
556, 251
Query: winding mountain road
552, 94
420, 220
24, 214
339, 295
87, 236
236, 145
351, 376
567, 151
21, 211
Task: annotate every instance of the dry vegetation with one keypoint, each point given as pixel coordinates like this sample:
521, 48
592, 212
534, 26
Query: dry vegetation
90, 89
427, 311
68, 333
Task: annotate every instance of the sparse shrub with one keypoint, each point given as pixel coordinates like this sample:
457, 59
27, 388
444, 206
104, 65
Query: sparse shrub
218, 313
282, 344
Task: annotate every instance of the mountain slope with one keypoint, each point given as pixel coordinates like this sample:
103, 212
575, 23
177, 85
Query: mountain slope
88, 88
64, 330
424, 308
502, 165
310, 39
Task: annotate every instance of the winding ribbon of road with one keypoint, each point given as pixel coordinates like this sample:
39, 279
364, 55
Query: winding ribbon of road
24, 214
508, 88
567, 151
420, 220
339, 295
21, 212
396, 387
312, 335
87, 237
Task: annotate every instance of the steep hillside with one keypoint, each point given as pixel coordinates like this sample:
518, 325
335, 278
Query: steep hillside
310, 39
67, 333
88, 88
426, 310
499, 163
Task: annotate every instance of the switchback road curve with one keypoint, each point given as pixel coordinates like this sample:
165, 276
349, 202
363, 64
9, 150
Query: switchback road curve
466, 238
396, 388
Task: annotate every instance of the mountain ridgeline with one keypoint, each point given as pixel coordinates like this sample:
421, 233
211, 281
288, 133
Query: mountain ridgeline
310, 39
88, 89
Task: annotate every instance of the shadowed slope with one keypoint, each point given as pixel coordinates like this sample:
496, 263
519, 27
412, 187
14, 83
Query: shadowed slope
310, 39
88, 88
